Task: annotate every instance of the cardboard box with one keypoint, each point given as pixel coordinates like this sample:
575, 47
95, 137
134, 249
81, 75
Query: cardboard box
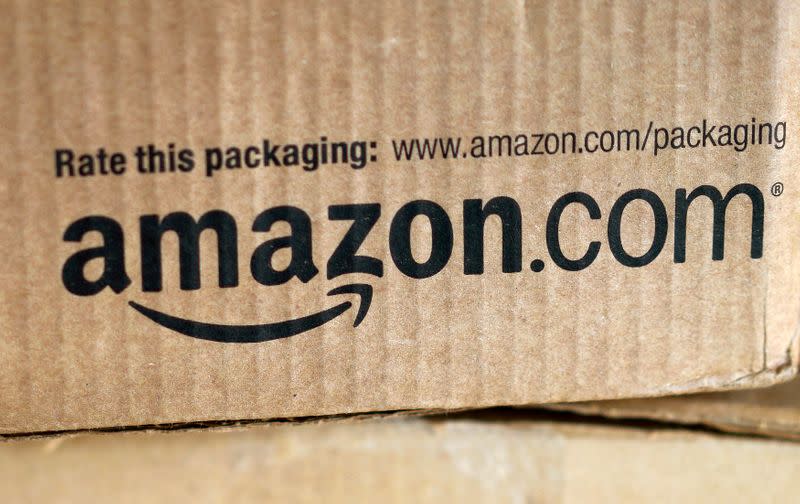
403, 461
773, 411
201, 202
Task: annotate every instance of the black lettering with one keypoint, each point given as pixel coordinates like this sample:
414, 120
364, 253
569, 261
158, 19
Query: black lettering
537, 137
271, 154
344, 259
188, 231
186, 160
615, 225
474, 221
64, 165
682, 202
441, 239
112, 252
299, 241
552, 233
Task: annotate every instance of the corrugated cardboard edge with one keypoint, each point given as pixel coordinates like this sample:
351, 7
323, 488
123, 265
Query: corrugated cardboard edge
782, 373
732, 424
228, 425
565, 416
771, 412
672, 410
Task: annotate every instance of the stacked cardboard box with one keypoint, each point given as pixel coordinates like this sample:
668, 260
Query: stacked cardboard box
268, 211
468, 459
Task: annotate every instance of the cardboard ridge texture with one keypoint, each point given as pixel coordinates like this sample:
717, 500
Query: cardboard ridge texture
259, 210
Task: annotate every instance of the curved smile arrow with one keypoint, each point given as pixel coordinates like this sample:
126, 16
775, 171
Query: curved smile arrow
262, 332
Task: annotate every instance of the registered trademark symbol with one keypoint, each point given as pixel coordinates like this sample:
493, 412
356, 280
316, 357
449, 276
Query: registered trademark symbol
776, 189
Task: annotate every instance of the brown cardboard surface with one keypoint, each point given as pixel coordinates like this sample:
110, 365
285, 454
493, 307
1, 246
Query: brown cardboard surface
772, 411
81, 347
402, 461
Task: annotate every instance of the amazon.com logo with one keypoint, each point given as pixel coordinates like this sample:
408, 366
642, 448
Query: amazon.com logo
345, 258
